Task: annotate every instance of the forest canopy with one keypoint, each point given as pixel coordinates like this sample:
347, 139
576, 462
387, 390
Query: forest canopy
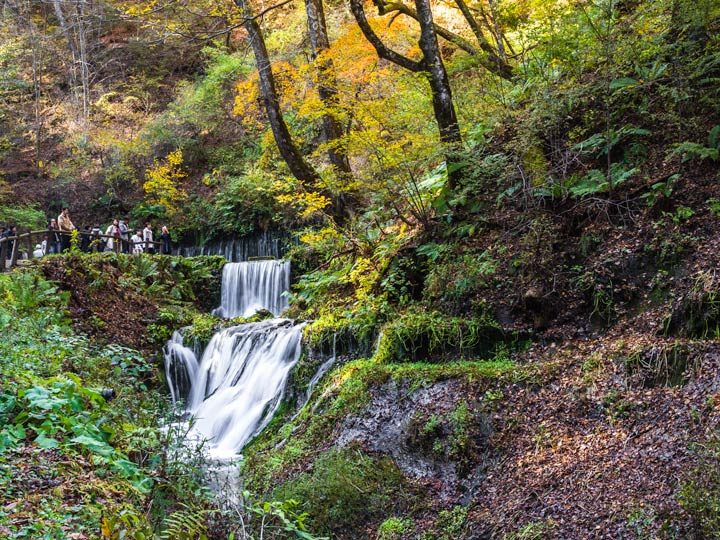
361, 104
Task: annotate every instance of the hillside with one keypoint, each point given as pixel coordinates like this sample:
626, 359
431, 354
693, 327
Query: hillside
505, 224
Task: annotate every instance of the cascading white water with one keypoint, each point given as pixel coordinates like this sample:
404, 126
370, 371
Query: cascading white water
250, 286
232, 392
238, 383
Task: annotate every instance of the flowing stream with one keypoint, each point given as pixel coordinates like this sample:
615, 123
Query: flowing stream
231, 391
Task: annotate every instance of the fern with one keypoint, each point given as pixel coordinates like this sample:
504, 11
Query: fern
690, 150
187, 524
145, 267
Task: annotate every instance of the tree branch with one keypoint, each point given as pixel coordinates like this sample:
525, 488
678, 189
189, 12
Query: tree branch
382, 51
489, 60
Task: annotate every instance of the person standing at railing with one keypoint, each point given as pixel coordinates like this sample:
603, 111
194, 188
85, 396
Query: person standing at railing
10, 232
165, 248
54, 240
148, 239
137, 243
113, 232
124, 235
86, 239
66, 228
39, 251
96, 244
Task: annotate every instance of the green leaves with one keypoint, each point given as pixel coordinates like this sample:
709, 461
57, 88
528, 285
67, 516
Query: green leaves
602, 143
624, 83
690, 150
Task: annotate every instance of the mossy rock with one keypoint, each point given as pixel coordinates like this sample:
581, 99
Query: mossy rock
346, 490
433, 337
337, 335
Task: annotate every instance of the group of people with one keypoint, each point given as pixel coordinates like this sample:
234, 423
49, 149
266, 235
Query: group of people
118, 236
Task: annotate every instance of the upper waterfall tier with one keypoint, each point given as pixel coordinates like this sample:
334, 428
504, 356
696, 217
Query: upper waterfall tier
250, 286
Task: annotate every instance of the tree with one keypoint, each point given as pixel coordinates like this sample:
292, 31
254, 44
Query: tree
327, 88
430, 63
492, 58
289, 151
300, 168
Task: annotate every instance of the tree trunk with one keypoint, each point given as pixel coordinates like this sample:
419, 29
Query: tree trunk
432, 64
442, 100
289, 152
439, 83
499, 35
327, 87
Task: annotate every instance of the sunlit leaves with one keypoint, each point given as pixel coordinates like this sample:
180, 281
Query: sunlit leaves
161, 183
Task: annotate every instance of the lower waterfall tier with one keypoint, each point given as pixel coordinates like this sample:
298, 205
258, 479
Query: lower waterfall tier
232, 392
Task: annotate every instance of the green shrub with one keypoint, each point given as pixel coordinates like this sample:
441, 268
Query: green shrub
26, 217
346, 490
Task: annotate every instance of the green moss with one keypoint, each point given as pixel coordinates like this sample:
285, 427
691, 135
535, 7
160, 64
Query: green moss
419, 335
461, 419
448, 524
393, 528
699, 495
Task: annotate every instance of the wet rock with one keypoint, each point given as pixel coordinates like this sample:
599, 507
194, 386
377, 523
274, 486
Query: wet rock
415, 427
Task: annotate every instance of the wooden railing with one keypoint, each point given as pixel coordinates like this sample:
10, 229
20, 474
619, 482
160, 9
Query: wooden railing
13, 247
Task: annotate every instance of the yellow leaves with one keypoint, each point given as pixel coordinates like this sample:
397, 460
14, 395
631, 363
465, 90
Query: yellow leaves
175, 160
307, 204
363, 276
246, 103
160, 182
105, 529
139, 9
319, 237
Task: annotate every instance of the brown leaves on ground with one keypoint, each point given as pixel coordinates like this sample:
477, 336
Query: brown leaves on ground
586, 453
112, 312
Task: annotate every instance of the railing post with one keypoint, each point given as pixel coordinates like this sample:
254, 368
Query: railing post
14, 255
3, 254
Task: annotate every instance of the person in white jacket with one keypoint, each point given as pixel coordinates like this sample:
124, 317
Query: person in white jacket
137, 242
113, 232
148, 238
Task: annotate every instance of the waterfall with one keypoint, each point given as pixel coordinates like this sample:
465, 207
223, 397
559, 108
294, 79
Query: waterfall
233, 390
238, 383
250, 286
181, 367
322, 370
